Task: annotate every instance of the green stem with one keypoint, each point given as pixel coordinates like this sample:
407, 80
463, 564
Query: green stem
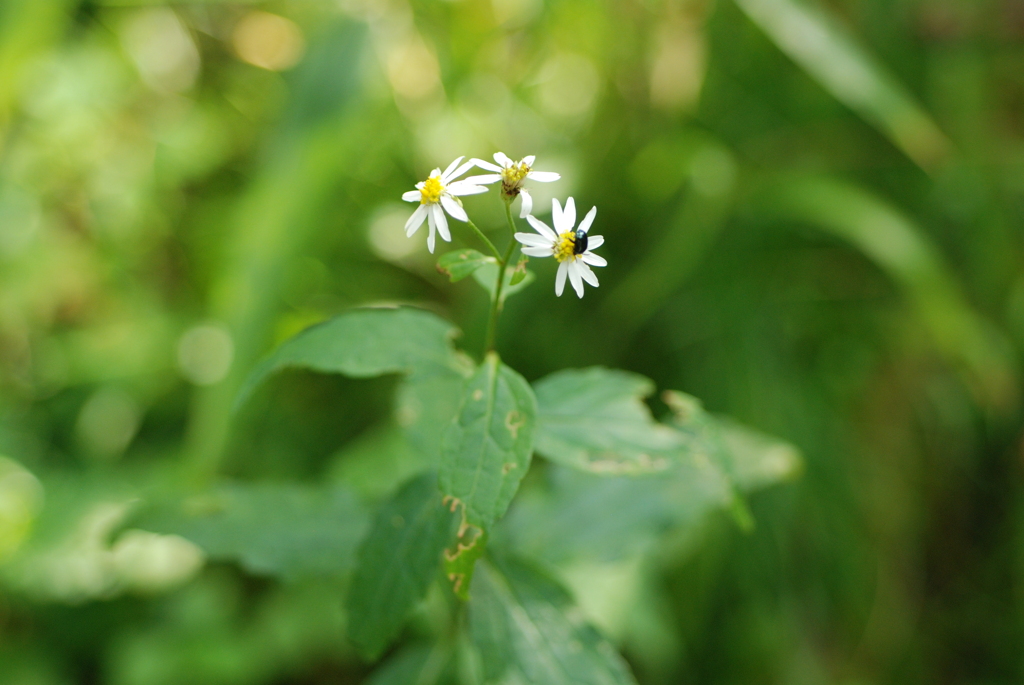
484, 238
492, 322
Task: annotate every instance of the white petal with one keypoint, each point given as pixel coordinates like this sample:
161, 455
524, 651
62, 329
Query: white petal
435, 172
502, 159
433, 231
528, 160
563, 271
419, 186
543, 176
483, 164
463, 188
416, 220
538, 251
569, 214
527, 203
533, 240
588, 275
588, 219
450, 168
442, 222
593, 259
483, 178
594, 241
574, 277
542, 228
412, 196
453, 208
458, 172
556, 215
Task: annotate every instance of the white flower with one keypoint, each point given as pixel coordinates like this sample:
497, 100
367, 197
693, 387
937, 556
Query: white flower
512, 174
574, 257
439, 190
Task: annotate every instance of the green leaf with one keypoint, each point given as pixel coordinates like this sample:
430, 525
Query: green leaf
595, 420
460, 560
528, 630
487, 276
398, 560
840, 64
364, 343
461, 263
758, 459
581, 515
426, 402
519, 273
705, 442
487, 449
415, 665
292, 531
376, 462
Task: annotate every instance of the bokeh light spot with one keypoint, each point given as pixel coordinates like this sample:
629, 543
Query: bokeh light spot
107, 423
162, 49
268, 40
205, 354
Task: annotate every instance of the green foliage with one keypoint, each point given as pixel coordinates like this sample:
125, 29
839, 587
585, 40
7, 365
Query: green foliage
581, 515
812, 214
487, 277
487, 448
527, 630
364, 343
398, 560
461, 263
520, 272
291, 531
415, 665
595, 420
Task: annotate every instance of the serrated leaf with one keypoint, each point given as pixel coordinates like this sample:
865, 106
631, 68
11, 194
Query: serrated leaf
595, 420
487, 277
461, 263
365, 343
397, 561
487, 449
519, 273
291, 531
528, 630
581, 515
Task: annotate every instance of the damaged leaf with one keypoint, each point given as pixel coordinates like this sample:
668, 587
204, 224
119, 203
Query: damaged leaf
487, 448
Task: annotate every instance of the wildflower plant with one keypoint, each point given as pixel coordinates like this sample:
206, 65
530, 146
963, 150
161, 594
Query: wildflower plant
615, 481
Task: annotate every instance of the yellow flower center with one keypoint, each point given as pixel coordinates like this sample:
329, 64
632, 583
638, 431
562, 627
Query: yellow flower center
512, 177
563, 249
431, 191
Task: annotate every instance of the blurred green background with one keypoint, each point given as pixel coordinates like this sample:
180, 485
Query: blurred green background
813, 222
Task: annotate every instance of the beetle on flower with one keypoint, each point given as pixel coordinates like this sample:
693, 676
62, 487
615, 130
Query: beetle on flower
512, 174
570, 246
440, 190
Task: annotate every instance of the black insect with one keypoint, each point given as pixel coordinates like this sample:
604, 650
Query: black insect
579, 243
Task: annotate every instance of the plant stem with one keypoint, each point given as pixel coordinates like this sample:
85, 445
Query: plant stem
492, 322
486, 240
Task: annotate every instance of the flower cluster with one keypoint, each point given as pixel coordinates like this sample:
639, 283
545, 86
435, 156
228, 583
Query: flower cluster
571, 246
